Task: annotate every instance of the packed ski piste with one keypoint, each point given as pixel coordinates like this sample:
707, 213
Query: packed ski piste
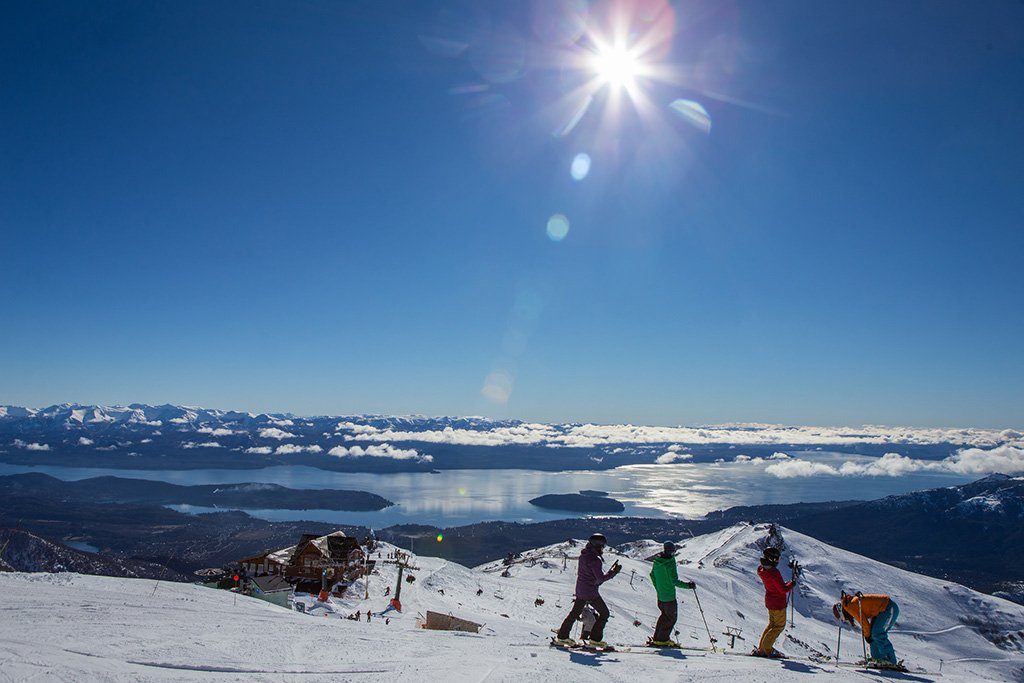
750, 603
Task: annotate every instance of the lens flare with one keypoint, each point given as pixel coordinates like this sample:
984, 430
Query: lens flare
580, 166
440, 537
693, 113
497, 387
558, 227
617, 66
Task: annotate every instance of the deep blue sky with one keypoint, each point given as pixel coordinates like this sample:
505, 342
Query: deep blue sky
324, 206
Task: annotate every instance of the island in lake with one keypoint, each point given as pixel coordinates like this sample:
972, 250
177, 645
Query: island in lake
584, 501
141, 491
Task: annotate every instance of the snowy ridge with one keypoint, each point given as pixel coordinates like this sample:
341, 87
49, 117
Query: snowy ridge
27, 552
124, 629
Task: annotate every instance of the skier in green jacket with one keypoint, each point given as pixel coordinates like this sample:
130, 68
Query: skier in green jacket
666, 581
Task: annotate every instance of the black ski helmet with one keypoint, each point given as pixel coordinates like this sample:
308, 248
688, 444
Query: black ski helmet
772, 554
598, 540
670, 548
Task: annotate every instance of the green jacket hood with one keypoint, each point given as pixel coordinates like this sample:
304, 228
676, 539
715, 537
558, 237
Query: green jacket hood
660, 559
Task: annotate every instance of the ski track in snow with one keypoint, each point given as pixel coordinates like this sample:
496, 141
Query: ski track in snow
70, 627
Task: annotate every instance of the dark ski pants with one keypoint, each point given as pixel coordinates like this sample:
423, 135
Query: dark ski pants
667, 620
596, 633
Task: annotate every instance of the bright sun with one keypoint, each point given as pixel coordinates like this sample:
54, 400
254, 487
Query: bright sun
617, 66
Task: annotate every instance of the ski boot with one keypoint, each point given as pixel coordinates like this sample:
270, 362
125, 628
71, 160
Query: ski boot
886, 666
663, 643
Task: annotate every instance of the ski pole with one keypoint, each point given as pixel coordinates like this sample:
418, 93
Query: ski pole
863, 640
157, 584
842, 615
839, 640
794, 574
710, 637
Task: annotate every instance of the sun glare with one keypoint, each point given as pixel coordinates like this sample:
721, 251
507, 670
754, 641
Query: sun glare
617, 66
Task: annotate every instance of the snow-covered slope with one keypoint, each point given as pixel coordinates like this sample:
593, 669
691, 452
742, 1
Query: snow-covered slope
74, 627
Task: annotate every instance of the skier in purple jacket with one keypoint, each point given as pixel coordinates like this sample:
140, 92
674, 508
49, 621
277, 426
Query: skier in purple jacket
588, 577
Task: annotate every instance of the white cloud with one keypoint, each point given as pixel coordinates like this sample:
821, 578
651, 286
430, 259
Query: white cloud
525, 434
31, 446
291, 449
889, 465
778, 456
355, 428
671, 456
379, 451
219, 431
260, 450
205, 444
1004, 459
82, 441
146, 441
275, 433
788, 469
592, 435
742, 458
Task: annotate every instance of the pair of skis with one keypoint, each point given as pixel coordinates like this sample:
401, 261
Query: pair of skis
578, 646
571, 644
879, 665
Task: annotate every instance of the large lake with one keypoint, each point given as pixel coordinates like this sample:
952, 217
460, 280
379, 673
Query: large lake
456, 497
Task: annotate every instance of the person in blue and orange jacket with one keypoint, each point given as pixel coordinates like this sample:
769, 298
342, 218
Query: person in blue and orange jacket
875, 614
776, 597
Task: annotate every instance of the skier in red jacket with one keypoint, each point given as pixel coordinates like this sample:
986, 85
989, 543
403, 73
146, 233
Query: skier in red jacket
776, 596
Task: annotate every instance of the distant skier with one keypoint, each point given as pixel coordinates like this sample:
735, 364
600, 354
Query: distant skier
776, 592
589, 576
665, 578
876, 614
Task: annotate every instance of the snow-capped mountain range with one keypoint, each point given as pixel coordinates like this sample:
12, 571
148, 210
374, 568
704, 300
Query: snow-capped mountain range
76, 627
487, 431
140, 436
74, 415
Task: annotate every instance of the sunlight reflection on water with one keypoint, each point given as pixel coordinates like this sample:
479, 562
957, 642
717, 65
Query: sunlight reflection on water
452, 497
